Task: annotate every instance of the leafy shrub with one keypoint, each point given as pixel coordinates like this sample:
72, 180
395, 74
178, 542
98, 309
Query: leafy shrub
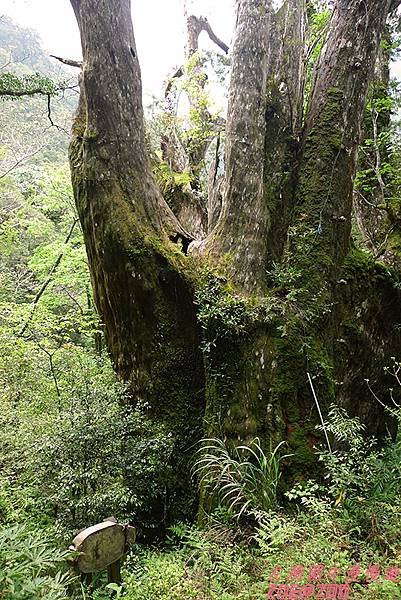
103, 460
84, 457
30, 567
362, 486
198, 567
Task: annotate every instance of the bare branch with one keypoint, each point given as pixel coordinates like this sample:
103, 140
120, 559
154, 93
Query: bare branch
195, 26
49, 115
74, 300
21, 160
67, 61
52, 371
6, 63
213, 36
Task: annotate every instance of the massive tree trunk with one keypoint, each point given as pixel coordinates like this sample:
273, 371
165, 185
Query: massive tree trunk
142, 283
231, 330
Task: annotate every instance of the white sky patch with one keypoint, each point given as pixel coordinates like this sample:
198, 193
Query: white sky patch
158, 24
277, 4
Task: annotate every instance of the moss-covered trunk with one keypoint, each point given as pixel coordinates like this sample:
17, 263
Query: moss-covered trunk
275, 294
303, 310
141, 279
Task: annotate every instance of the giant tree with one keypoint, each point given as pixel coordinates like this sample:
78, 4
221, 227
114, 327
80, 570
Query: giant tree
236, 333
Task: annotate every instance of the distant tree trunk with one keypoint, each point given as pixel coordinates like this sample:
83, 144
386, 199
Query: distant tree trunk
231, 330
188, 156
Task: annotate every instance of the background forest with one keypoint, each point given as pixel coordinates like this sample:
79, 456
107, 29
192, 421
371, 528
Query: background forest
73, 450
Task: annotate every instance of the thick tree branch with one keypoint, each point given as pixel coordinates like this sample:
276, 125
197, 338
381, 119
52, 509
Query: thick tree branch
213, 36
195, 26
21, 93
13, 86
241, 232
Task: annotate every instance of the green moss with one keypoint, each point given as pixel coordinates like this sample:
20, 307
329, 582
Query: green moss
360, 265
313, 236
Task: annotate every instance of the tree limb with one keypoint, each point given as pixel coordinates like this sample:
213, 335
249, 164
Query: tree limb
6, 63
213, 36
67, 61
52, 371
21, 160
195, 26
49, 115
35, 91
26, 92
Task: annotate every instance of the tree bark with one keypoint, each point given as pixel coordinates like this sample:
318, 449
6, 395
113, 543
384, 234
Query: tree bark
333, 134
142, 285
284, 116
320, 245
276, 292
241, 232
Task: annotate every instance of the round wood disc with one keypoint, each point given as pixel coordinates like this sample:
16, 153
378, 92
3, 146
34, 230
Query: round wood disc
101, 545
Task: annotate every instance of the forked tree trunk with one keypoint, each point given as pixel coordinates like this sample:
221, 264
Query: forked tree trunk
276, 290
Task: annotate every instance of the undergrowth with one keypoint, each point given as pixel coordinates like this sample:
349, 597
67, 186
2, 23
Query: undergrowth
341, 530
